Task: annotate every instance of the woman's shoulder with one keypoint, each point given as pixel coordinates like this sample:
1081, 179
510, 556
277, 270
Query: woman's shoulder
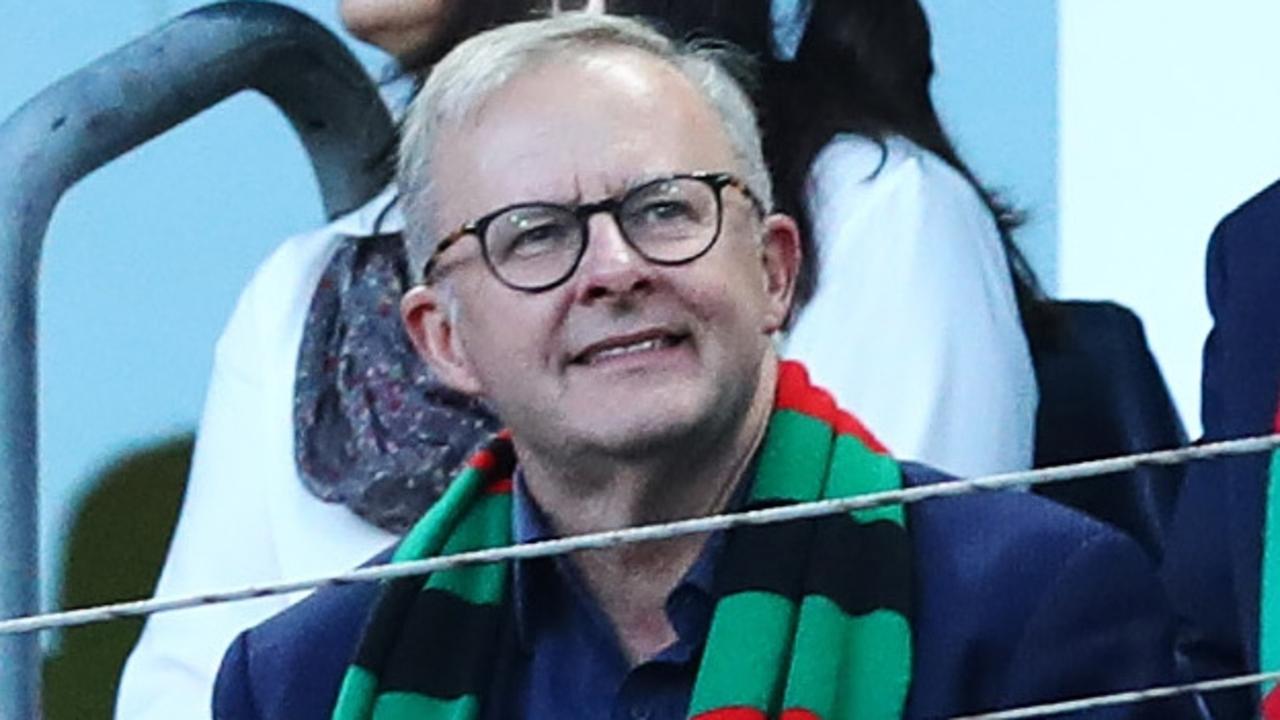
857, 164
302, 255
294, 267
895, 188
278, 294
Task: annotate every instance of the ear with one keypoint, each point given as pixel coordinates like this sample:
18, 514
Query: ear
429, 320
780, 261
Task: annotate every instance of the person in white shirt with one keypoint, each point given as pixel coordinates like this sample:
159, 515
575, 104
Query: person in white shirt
915, 306
912, 320
250, 514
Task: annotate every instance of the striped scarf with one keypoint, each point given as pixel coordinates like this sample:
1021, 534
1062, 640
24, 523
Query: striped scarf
825, 639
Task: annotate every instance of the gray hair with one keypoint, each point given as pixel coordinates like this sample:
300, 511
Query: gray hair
475, 70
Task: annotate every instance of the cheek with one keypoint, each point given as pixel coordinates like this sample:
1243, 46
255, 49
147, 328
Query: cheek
746, 281
506, 333
730, 301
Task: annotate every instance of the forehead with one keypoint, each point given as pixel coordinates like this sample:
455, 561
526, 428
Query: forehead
578, 126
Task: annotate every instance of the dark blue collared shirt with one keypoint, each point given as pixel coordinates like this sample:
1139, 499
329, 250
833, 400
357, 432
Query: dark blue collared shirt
570, 662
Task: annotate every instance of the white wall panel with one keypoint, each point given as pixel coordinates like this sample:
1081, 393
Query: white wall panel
1170, 117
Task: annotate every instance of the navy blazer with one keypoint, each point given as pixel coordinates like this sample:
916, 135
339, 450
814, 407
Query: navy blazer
1102, 395
1017, 600
1214, 553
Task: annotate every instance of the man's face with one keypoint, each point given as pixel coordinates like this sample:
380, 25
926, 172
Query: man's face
625, 356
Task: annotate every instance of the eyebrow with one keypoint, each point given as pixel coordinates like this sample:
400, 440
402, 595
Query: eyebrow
611, 189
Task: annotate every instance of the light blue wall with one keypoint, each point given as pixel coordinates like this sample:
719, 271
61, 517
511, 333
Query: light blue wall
144, 259
997, 89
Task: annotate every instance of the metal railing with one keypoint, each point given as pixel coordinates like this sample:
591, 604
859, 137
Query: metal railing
91, 117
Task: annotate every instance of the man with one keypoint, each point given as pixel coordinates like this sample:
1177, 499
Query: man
588, 203
1216, 542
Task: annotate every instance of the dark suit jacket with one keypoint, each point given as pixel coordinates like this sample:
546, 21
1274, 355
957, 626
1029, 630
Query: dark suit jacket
1102, 395
1214, 551
1017, 600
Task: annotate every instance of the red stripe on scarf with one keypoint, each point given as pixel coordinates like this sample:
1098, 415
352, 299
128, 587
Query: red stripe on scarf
501, 486
796, 392
731, 713
1271, 705
746, 713
482, 460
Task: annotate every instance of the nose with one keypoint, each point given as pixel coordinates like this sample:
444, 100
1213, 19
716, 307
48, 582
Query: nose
610, 267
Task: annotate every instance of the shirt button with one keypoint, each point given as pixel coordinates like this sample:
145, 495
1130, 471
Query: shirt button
639, 713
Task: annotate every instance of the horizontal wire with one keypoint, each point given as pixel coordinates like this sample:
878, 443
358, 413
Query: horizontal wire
1125, 698
659, 531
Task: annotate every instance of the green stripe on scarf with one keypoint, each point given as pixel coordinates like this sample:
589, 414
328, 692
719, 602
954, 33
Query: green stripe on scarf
793, 636
1269, 602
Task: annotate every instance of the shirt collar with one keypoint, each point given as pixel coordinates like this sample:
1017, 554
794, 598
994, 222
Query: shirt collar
361, 221
530, 524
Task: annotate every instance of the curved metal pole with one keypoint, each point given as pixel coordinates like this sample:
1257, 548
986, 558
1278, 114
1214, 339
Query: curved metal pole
91, 117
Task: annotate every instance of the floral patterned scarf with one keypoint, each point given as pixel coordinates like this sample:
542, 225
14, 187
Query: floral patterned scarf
373, 428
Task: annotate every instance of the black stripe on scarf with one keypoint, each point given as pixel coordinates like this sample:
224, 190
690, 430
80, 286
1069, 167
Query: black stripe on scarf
445, 647
381, 630
865, 567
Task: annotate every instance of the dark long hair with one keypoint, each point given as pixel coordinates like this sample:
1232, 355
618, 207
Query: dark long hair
862, 66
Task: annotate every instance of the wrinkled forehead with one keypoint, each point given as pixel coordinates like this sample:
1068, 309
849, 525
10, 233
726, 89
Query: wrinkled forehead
594, 6
576, 126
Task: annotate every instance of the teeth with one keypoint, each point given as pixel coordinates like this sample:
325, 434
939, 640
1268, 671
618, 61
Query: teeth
613, 352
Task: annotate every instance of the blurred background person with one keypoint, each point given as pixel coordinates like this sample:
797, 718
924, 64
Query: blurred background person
913, 297
1224, 547
303, 465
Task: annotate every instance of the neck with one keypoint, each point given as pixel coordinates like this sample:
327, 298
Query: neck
691, 477
696, 479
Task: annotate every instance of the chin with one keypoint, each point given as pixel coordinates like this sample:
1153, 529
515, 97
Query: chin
677, 413
652, 426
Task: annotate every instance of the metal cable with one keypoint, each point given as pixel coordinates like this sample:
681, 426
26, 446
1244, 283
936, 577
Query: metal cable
660, 531
1123, 698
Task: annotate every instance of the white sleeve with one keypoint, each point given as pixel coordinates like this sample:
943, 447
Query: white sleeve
246, 517
914, 326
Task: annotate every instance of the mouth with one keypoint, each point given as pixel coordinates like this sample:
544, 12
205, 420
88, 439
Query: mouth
624, 346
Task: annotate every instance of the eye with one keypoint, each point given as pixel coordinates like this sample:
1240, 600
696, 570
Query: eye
530, 234
664, 210
668, 205
539, 239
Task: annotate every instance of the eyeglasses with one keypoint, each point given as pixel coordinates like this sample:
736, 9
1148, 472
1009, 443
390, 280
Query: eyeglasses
536, 246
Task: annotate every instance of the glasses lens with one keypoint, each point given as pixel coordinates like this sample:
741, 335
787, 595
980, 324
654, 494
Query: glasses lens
533, 245
671, 220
